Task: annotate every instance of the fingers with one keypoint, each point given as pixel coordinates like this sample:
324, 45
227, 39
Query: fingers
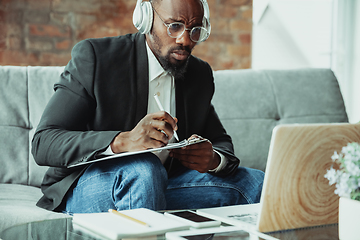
164, 116
198, 157
153, 131
165, 123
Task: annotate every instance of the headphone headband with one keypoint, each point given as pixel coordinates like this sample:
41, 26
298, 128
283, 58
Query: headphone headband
143, 17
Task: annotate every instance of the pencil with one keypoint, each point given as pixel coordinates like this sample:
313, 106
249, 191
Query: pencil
128, 217
162, 109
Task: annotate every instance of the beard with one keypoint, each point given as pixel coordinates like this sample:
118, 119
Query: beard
177, 69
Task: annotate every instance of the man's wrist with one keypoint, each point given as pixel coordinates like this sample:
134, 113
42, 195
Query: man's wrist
222, 164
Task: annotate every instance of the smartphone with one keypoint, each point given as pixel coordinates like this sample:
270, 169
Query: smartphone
193, 219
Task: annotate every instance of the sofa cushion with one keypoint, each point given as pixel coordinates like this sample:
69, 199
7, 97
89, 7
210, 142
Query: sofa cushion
18, 206
40, 89
250, 103
24, 92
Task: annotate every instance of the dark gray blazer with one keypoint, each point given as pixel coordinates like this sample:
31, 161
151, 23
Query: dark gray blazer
103, 91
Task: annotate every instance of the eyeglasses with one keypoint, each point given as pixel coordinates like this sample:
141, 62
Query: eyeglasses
177, 29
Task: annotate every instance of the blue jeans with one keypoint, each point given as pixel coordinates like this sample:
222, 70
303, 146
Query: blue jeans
141, 181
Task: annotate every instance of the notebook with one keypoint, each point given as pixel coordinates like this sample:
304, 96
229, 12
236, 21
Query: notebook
295, 193
183, 143
133, 223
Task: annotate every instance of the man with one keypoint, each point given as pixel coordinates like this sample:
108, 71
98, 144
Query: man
104, 104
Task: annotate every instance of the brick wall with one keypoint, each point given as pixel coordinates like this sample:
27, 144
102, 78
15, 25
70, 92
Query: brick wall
43, 32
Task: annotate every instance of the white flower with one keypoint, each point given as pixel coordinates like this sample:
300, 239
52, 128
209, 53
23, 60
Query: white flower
347, 178
342, 187
353, 169
335, 156
331, 175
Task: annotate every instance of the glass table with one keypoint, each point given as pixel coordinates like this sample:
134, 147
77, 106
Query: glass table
62, 229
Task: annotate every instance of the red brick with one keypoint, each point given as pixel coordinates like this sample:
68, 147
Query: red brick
247, 13
227, 64
36, 16
89, 6
243, 25
14, 43
3, 30
245, 38
14, 29
227, 12
59, 18
97, 31
45, 30
14, 16
85, 20
236, 2
61, 23
220, 25
18, 58
39, 4
220, 38
55, 59
239, 50
2, 16
38, 44
3, 44
63, 45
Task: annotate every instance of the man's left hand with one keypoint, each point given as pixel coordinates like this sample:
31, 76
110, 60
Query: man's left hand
200, 157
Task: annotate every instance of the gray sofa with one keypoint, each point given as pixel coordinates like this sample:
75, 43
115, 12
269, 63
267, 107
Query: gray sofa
250, 103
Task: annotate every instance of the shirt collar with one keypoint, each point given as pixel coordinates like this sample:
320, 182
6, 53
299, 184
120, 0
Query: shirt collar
155, 69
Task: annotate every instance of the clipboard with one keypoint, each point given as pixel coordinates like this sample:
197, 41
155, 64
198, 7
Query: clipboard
183, 143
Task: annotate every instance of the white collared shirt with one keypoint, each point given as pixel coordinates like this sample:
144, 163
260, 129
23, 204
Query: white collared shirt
162, 84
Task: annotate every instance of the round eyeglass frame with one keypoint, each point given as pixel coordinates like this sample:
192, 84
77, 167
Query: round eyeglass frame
168, 25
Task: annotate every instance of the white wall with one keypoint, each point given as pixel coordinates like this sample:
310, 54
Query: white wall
311, 33
354, 108
291, 34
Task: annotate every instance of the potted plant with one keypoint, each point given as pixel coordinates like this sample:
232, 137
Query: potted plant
347, 180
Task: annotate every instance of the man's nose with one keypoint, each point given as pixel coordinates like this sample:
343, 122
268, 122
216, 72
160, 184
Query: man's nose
184, 39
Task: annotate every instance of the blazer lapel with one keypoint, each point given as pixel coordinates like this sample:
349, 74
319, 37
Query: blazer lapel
141, 77
181, 109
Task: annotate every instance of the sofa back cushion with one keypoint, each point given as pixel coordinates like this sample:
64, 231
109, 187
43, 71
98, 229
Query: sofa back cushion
250, 103
24, 92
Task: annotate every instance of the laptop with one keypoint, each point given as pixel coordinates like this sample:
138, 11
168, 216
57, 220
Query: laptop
295, 192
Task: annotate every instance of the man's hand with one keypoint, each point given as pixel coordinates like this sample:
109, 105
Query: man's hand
200, 157
153, 131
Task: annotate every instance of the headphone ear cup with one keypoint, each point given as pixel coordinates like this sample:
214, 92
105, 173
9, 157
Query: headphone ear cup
143, 17
206, 19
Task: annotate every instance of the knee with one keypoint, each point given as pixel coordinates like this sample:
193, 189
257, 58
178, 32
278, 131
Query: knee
146, 168
141, 183
253, 179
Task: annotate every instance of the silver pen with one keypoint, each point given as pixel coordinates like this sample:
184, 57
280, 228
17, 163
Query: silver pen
162, 109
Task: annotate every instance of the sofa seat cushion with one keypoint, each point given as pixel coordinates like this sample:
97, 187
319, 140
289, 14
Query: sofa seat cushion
18, 206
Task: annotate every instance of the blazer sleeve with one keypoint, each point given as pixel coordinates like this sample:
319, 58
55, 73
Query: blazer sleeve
63, 137
198, 89
216, 133
222, 143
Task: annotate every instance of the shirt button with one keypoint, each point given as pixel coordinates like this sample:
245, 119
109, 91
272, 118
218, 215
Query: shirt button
158, 93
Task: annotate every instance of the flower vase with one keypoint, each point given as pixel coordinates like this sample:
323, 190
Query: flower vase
349, 219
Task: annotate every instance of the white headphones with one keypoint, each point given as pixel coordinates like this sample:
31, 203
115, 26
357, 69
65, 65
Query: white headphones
143, 17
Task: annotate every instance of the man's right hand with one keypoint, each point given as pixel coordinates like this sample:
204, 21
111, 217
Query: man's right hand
153, 131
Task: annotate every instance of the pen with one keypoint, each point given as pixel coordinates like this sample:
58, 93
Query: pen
162, 109
128, 217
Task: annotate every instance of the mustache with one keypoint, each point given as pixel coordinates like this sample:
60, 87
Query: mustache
181, 48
